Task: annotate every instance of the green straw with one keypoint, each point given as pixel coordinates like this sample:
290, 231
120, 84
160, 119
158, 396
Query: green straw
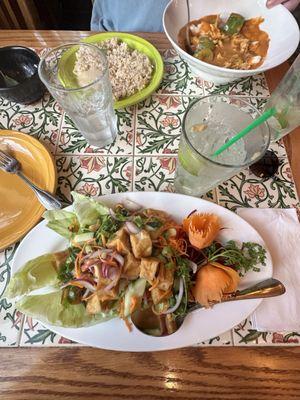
266, 115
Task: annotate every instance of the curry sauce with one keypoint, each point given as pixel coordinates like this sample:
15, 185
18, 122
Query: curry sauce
236, 43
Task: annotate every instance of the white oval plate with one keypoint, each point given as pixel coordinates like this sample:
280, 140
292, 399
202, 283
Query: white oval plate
200, 325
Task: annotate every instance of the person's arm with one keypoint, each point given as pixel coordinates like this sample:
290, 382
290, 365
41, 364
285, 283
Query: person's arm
289, 4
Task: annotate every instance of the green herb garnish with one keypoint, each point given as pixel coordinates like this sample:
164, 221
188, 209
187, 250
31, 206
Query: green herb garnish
139, 221
155, 223
65, 273
242, 259
108, 226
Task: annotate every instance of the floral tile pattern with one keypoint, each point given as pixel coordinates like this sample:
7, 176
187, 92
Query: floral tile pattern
142, 158
225, 339
71, 140
245, 335
35, 334
41, 119
11, 320
92, 175
159, 120
156, 174
255, 86
178, 77
246, 190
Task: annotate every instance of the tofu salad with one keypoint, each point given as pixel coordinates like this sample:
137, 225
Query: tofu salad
123, 258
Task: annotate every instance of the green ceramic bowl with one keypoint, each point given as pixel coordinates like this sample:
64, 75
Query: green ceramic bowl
142, 45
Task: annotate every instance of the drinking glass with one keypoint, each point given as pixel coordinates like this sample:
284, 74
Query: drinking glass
286, 100
207, 125
89, 103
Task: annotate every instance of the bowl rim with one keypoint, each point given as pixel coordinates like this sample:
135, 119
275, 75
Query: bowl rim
29, 50
215, 68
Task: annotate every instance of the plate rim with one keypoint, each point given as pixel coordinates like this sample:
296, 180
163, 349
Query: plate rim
51, 165
255, 302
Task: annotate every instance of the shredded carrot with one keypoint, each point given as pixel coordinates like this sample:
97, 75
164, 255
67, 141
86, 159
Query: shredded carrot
180, 245
128, 324
133, 304
154, 285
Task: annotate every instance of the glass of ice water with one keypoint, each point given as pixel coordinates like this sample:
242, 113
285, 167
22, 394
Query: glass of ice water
77, 77
286, 100
207, 125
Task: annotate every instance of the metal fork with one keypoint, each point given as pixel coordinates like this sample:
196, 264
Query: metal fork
11, 165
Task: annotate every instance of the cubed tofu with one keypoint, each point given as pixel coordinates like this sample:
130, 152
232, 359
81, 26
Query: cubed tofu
105, 295
165, 277
93, 304
158, 295
120, 242
132, 267
141, 244
149, 268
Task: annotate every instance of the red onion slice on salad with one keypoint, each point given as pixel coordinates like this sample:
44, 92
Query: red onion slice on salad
131, 205
132, 228
193, 266
179, 298
119, 258
104, 270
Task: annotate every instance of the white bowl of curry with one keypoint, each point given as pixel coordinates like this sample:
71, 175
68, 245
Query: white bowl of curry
233, 39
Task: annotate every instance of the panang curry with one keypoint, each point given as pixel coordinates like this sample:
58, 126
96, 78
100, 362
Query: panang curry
236, 43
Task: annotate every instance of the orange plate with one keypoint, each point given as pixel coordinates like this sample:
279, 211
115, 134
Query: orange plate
19, 208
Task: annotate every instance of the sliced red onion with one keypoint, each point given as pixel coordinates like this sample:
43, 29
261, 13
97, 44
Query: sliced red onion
85, 294
119, 258
193, 266
131, 205
132, 228
112, 273
104, 270
179, 298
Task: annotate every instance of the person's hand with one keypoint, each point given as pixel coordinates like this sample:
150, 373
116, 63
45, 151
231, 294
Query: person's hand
289, 4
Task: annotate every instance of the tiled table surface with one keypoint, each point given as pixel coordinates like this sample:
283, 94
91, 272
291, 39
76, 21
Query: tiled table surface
142, 158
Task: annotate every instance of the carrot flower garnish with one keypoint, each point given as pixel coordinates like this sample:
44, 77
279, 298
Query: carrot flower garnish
201, 229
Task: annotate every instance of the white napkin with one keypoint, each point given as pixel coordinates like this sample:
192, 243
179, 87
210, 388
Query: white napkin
280, 230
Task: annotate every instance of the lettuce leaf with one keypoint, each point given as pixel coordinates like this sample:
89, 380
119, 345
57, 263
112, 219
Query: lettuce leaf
48, 308
35, 274
87, 209
134, 289
61, 221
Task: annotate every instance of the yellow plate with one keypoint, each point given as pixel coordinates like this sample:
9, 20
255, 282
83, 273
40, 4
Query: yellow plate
19, 208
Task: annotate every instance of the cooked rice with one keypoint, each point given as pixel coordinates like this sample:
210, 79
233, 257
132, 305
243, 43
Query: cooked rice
129, 70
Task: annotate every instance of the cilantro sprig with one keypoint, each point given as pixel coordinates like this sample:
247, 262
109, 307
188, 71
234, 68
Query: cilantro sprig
243, 259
